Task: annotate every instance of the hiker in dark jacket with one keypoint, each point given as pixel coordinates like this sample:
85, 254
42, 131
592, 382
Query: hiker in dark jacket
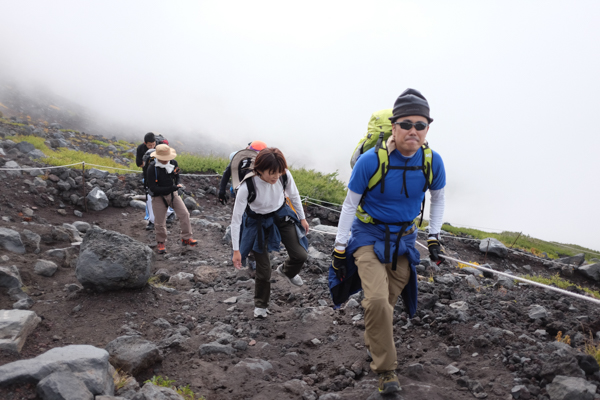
143, 157
163, 184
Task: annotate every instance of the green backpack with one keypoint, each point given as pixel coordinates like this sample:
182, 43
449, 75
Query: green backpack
378, 132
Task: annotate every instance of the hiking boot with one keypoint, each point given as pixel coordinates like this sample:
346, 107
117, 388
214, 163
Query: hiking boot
171, 218
160, 248
150, 226
260, 312
388, 382
297, 281
189, 242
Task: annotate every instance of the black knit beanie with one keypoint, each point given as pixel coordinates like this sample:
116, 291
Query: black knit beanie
149, 137
411, 102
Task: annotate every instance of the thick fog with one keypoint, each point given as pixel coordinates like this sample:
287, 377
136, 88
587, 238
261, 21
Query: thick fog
513, 87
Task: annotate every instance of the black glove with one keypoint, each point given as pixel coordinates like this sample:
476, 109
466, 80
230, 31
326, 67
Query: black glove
339, 264
435, 250
222, 198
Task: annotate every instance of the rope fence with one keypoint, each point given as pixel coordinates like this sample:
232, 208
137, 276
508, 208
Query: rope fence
518, 278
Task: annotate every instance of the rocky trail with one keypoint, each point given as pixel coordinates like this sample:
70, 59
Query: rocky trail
474, 336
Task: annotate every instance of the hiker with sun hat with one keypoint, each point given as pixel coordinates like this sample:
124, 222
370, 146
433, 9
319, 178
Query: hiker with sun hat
163, 184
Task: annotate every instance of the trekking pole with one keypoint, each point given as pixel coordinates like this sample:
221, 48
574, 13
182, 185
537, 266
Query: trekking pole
519, 235
83, 181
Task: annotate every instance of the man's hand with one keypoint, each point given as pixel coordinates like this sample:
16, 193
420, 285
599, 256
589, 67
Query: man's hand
339, 263
435, 250
237, 259
222, 198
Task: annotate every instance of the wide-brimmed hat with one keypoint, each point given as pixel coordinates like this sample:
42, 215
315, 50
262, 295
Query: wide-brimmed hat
164, 152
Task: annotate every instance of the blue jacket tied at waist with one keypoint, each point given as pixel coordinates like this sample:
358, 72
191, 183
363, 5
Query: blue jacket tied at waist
369, 234
251, 237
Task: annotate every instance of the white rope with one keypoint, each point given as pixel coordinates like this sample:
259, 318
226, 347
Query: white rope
323, 201
509, 249
106, 166
27, 169
200, 175
565, 292
331, 209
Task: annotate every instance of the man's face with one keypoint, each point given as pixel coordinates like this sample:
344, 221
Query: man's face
150, 145
408, 141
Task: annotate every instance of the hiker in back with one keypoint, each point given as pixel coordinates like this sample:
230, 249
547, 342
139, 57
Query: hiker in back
241, 166
163, 185
268, 219
145, 154
380, 208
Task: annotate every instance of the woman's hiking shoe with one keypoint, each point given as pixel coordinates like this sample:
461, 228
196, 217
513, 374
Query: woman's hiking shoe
150, 226
260, 312
297, 281
189, 242
161, 249
388, 382
171, 218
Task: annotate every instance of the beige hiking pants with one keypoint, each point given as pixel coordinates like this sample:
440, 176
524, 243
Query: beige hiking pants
381, 287
160, 215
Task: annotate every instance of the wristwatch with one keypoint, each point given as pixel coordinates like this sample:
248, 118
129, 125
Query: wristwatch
338, 244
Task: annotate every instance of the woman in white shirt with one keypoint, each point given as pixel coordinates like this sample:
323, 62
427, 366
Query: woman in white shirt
262, 219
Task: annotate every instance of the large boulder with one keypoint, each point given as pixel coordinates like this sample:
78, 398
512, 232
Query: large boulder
567, 388
10, 277
112, 261
576, 260
97, 200
153, 392
25, 147
88, 364
63, 385
11, 241
493, 246
97, 173
591, 271
133, 354
12, 168
15, 326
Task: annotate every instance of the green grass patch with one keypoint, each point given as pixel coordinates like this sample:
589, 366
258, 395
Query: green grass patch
325, 187
65, 156
525, 242
69, 130
99, 142
183, 391
191, 164
561, 283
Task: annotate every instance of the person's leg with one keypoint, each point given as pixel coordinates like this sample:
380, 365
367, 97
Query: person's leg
397, 279
262, 286
379, 337
297, 255
184, 217
149, 208
160, 219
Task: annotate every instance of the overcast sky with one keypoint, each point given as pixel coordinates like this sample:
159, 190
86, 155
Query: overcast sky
513, 86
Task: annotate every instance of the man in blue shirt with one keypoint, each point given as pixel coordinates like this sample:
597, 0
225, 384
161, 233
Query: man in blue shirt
382, 245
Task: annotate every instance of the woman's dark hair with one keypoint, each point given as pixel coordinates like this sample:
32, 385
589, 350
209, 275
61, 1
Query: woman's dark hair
270, 159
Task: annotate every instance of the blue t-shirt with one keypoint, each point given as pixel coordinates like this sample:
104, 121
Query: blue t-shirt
393, 205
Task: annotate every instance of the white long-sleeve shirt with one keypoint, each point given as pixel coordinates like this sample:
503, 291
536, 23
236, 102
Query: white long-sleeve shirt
436, 214
269, 198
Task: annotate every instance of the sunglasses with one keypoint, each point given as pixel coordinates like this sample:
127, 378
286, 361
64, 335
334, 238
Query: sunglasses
419, 125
